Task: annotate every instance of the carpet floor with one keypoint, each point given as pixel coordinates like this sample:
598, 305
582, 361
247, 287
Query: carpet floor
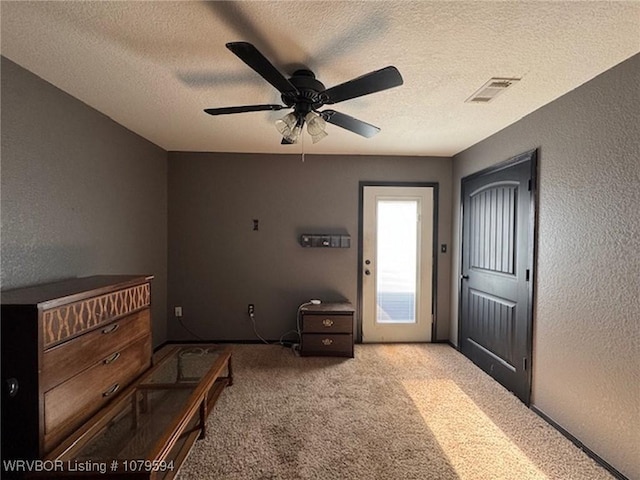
400, 411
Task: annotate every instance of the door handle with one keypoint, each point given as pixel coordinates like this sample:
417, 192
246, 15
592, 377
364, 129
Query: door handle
464, 277
12, 386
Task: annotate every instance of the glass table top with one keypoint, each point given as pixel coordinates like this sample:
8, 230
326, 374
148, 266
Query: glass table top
150, 414
187, 364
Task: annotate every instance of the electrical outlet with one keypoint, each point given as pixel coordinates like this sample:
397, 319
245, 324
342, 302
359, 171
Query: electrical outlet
178, 311
251, 309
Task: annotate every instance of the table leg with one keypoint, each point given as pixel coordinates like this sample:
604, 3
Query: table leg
179, 374
203, 417
230, 372
135, 410
145, 401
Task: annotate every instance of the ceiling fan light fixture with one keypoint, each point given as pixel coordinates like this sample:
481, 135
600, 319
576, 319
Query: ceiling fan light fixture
286, 124
290, 127
318, 136
316, 126
294, 135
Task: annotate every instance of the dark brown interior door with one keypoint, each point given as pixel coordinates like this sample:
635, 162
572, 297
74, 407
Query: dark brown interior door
497, 269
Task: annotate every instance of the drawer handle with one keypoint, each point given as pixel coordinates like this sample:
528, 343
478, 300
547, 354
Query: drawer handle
111, 328
111, 391
327, 341
111, 358
327, 322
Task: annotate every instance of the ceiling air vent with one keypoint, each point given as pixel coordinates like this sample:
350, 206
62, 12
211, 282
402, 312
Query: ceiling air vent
491, 89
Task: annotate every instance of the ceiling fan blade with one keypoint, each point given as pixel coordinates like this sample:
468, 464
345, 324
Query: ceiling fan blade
349, 123
286, 142
242, 109
252, 57
371, 82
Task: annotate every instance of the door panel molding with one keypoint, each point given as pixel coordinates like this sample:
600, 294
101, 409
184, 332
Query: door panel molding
434, 272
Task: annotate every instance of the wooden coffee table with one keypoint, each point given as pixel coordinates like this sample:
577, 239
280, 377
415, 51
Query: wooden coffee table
147, 432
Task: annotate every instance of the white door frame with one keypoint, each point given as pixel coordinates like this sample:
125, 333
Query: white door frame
429, 305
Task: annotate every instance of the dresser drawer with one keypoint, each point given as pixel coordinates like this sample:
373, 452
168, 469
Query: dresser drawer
70, 358
67, 321
327, 344
69, 404
314, 323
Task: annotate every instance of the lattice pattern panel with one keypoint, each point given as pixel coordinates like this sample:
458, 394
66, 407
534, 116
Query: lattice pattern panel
69, 320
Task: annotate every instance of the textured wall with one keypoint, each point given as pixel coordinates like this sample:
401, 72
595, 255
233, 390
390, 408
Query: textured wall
218, 264
586, 348
81, 195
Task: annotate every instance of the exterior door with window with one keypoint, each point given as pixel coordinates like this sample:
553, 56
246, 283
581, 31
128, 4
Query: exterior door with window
397, 264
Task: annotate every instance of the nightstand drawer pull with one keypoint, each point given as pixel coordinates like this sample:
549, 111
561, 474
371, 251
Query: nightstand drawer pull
111, 358
327, 322
327, 341
112, 390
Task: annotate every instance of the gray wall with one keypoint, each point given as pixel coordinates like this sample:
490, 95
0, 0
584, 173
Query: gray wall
81, 195
586, 325
218, 264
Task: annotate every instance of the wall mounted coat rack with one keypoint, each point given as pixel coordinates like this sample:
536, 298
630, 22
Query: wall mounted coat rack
325, 240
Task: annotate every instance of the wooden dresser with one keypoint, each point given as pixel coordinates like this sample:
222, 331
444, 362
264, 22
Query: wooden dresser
67, 349
327, 330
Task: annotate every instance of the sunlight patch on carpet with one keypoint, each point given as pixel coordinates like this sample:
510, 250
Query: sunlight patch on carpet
473, 444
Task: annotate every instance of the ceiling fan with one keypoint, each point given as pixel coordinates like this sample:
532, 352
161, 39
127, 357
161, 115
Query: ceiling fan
305, 95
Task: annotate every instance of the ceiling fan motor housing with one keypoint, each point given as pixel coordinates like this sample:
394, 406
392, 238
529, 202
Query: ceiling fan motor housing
310, 95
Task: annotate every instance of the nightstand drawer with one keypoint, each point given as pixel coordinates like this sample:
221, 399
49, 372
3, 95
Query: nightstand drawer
314, 323
327, 344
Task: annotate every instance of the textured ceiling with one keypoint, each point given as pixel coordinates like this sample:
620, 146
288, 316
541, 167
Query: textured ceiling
154, 66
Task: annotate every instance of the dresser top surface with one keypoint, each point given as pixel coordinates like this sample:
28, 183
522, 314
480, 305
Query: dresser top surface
334, 307
72, 289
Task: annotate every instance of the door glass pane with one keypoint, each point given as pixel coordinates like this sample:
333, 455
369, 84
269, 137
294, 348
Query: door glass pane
397, 262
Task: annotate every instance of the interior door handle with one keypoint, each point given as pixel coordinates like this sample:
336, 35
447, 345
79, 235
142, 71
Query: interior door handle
464, 277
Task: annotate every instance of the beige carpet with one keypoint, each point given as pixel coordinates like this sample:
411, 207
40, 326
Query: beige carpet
418, 411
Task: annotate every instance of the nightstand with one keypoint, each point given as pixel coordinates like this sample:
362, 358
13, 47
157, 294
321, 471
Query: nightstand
327, 330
